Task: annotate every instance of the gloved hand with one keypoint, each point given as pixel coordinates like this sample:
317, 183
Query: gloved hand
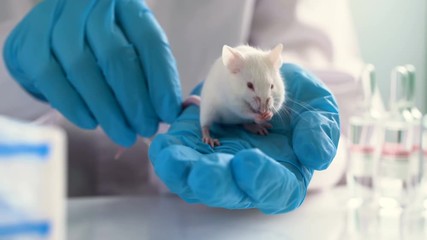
98, 62
270, 172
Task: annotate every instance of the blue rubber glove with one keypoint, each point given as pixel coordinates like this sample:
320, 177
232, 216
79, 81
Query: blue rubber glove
270, 173
104, 63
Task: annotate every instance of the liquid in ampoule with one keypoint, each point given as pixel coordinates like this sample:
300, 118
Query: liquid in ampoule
361, 159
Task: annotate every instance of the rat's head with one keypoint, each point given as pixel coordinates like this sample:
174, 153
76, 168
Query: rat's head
256, 77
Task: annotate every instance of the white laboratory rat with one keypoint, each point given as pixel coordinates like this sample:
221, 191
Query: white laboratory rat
244, 86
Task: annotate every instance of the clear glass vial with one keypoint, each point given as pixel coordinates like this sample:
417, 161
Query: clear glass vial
363, 140
398, 173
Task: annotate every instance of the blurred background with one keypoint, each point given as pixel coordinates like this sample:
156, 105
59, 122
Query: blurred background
392, 33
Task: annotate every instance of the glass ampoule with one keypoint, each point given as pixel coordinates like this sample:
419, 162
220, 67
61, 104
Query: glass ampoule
416, 117
397, 175
363, 140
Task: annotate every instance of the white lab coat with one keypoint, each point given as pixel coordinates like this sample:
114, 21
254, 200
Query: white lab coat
316, 34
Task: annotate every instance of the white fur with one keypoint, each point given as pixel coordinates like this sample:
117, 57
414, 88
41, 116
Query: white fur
225, 93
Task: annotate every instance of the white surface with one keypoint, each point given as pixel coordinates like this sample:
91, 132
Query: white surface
153, 217
324, 216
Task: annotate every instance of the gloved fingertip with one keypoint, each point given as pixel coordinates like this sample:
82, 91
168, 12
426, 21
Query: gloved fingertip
313, 153
205, 184
249, 158
295, 200
274, 188
77, 113
207, 180
83, 120
121, 134
189, 200
172, 165
277, 211
246, 168
127, 140
212, 182
148, 127
88, 124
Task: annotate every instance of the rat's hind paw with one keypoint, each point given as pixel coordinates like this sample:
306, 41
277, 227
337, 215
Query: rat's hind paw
261, 129
211, 141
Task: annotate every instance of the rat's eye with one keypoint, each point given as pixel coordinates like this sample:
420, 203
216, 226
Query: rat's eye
250, 86
272, 86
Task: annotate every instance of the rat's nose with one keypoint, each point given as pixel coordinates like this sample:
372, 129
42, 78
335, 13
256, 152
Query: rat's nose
264, 106
257, 101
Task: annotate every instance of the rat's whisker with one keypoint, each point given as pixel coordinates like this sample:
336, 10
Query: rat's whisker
281, 110
302, 105
278, 112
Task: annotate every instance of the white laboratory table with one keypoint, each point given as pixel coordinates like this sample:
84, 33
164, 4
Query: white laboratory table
322, 216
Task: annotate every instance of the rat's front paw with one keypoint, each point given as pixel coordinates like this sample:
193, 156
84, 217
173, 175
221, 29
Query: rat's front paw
267, 115
263, 117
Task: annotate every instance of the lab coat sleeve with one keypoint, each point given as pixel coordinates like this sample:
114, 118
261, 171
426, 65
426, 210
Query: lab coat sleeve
318, 35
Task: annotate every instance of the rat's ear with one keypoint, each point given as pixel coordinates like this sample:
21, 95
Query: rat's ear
232, 59
275, 56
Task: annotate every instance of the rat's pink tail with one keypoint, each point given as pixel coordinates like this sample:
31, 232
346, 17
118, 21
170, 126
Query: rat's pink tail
193, 99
